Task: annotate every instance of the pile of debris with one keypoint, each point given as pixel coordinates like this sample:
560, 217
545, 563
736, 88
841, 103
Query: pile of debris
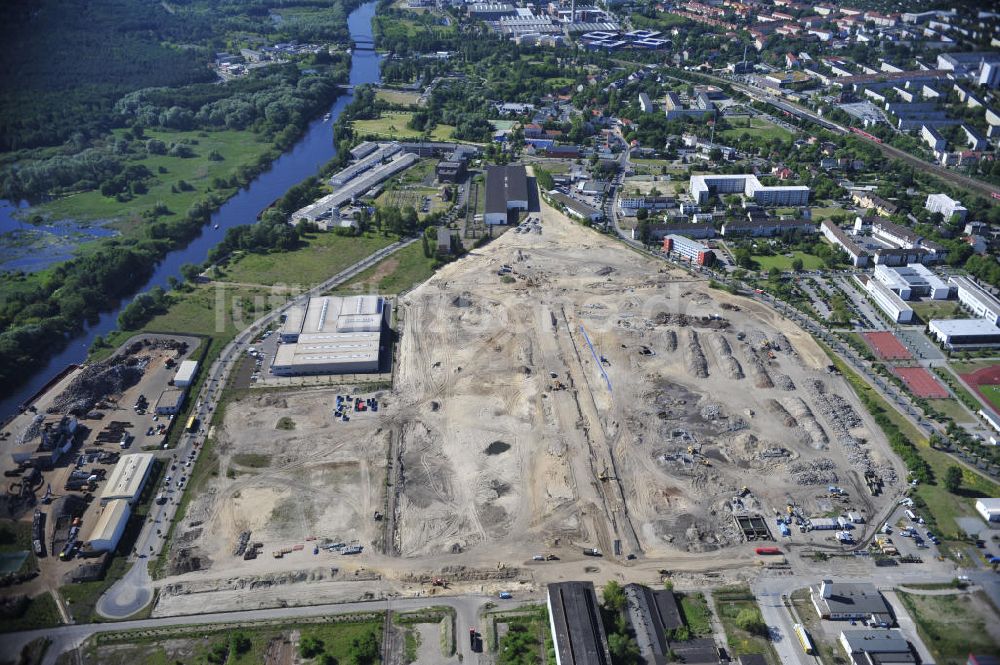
683, 320
694, 357
95, 382
822, 471
783, 382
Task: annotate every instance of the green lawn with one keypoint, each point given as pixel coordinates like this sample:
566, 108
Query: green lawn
782, 262
697, 615
953, 626
394, 274
820, 213
992, 395
393, 126
398, 97
937, 309
324, 255
951, 408
758, 128
237, 149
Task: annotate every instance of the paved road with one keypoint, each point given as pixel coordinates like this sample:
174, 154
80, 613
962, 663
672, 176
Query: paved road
134, 591
467, 609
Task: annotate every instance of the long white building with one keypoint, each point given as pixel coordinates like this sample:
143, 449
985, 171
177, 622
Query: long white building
912, 281
946, 205
703, 186
979, 302
965, 333
127, 478
836, 235
889, 302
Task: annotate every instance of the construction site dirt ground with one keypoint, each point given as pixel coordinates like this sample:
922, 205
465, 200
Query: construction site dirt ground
507, 435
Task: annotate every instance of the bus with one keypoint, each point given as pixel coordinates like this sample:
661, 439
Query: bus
804, 640
192, 424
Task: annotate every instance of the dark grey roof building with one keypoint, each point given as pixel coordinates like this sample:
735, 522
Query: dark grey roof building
506, 189
844, 600
652, 613
575, 620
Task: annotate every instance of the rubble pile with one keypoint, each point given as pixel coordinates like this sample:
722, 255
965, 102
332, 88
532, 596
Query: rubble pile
97, 381
694, 357
822, 471
783, 382
725, 353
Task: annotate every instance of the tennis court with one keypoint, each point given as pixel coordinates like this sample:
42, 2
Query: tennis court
920, 382
887, 346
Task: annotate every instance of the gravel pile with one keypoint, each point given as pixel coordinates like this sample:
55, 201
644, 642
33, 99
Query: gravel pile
711, 411
761, 379
842, 418
670, 340
807, 421
783, 382
694, 357
725, 354
775, 407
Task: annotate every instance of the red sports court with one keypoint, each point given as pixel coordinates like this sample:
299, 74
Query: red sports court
887, 346
920, 382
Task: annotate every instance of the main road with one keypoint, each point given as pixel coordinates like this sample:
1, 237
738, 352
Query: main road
135, 589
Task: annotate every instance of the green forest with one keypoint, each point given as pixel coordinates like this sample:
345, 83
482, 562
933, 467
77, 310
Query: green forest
111, 104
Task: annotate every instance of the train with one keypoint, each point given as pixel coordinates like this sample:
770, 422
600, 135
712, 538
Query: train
766, 551
864, 134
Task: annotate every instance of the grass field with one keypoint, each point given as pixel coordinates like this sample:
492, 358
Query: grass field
758, 128
953, 409
194, 645
397, 273
237, 149
39, 612
937, 309
953, 626
393, 126
992, 395
697, 615
782, 262
324, 255
820, 213
399, 97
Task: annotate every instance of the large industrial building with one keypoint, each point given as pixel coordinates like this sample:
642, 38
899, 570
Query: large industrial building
912, 281
965, 333
127, 478
979, 302
109, 527
577, 629
703, 186
331, 335
877, 647
890, 303
506, 190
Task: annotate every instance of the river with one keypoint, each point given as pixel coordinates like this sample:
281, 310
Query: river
302, 160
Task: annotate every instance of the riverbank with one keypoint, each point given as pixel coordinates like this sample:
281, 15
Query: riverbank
302, 160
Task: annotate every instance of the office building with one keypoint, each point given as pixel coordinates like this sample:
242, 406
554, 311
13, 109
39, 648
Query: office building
976, 299
688, 250
894, 307
912, 281
843, 601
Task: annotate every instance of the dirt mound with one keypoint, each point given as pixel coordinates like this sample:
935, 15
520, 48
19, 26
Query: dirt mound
694, 357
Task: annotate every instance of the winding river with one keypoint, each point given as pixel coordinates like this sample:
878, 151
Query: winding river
304, 159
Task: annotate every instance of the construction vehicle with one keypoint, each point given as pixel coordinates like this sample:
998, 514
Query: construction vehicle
592, 551
604, 476
438, 582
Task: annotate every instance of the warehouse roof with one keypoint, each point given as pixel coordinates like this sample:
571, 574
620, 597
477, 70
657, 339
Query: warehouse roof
962, 327
110, 520
576, 624
847, 598
876, 641
186, 371
329, 348
127, 478
504, 184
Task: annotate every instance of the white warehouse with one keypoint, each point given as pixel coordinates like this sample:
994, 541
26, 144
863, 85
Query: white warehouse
912, 281
889, 302
703, 186
109, 527
965, 333
185, 373
331, 335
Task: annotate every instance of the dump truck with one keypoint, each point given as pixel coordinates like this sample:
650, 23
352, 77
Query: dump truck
592, 551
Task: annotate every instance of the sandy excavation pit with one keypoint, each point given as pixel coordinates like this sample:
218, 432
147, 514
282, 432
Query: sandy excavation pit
507, 441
